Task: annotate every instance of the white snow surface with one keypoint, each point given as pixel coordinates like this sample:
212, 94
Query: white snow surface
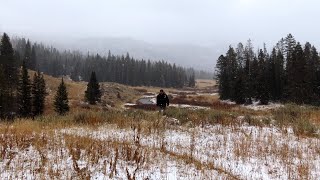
227, 102
257, 107
207, 94
187, 106
261, 149
244, 152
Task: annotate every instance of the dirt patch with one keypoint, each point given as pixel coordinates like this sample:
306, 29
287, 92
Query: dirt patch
141, 90
147, 107
201, 101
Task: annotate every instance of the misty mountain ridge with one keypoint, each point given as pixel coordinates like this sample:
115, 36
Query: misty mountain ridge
198, 57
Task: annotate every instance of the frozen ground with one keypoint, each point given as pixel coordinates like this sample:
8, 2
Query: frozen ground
256, 106
174, 152
244, 152
187, 106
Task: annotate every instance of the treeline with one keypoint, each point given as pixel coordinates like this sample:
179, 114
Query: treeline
290, 73
199, 74
121, 69
19, 96
22, 97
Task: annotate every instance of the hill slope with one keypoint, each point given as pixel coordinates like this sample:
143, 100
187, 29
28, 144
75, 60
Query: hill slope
199, 57
76, 92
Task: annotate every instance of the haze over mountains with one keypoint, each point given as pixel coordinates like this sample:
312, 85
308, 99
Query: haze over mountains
178, 31
187, 55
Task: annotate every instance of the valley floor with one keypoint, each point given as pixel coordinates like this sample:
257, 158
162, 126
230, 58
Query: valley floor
200, 137
95, 146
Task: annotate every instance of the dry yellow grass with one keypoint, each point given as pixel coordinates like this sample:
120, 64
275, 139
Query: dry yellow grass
80, 137
201, 85
114, 94
205, 83
124, 137
154, 89
75, 92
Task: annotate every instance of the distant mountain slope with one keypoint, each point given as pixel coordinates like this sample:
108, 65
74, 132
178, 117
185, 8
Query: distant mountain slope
201, 58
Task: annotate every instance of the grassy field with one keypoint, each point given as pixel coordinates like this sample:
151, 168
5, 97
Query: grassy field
205, 83
114, 94
186, 144
223, 141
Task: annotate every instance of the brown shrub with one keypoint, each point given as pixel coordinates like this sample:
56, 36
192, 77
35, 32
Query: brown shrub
141, 90
148, 107
200, 101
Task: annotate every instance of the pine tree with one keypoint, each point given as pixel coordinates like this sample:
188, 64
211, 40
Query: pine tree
2, 99
290, 44
24, 93
232, 69
249, 57
254, 82
33, 59
239, 96
316, 82
291, 73
93, 93
9, 70
27, 55
310, 76
262, 79
295, 89
61, 105
277, 75
38, 94
192, 80
240, 56
222, 78
21, 45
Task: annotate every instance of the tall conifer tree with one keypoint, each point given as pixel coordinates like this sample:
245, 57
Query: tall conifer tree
38, 94
24, 93
9, 70
93, 93
61, 102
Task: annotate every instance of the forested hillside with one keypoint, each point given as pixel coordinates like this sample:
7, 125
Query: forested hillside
113, 68
290, 73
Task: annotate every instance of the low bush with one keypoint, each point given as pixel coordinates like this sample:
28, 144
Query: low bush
297, 117
201, 116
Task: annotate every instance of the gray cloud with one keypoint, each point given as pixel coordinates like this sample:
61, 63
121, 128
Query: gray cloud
210, 23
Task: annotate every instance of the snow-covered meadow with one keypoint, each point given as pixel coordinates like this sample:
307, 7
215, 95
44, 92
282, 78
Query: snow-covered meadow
159, 151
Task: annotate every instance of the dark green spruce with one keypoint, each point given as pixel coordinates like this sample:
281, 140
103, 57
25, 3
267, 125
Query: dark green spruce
61, 105
93, 92
192, 80
9, 69
38, 94
291, 73
24, 93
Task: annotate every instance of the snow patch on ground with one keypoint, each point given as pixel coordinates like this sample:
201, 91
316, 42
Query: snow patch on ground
244, 152
129, 104
257, 107
228, 102
187, 106
207, 94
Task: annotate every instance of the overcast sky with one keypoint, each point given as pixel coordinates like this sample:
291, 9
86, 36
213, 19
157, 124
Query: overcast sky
200, 22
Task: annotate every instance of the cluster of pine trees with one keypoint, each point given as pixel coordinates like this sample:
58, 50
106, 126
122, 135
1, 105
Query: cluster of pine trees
17, 92
290, 73
92, 95
120, 69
